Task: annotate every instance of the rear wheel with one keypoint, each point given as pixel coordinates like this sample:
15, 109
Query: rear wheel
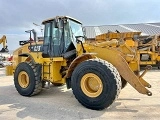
27, 79
96, 83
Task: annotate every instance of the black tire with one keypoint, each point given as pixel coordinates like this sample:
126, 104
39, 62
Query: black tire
34, 77
109, 77
124, 83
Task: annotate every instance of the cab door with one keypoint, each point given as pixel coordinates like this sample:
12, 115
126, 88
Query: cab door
53, 40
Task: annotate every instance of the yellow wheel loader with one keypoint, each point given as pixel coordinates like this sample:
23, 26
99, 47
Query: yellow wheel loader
92, 70
147, 49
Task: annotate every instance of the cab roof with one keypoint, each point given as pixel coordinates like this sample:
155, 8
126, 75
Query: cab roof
60, 17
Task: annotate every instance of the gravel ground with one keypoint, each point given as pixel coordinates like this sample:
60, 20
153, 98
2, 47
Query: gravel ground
58, 103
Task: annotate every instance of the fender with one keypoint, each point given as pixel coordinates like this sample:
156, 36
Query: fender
29, 57
78, 60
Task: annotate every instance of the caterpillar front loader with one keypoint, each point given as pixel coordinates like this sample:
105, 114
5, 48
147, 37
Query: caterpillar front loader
148, 49
95, 71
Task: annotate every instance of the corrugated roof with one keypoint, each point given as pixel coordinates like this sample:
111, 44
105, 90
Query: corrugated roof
112, 28
156, 24
90, 32
146, 29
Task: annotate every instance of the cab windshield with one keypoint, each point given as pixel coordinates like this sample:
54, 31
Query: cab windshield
76, 28
72, 29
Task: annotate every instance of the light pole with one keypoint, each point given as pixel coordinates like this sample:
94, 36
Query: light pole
40, 28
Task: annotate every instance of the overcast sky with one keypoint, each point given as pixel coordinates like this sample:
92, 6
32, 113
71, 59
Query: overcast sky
16, 16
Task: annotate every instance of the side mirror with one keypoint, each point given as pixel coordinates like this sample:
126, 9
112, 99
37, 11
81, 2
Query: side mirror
78, 38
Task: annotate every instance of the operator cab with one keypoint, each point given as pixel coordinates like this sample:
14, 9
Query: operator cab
60, 36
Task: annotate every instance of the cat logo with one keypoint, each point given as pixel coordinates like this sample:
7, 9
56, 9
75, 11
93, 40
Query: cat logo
35, 48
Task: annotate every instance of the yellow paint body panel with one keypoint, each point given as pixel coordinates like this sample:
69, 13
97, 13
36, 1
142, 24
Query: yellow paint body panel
118, 36
130, 43
51, 69
9, 70
158, 58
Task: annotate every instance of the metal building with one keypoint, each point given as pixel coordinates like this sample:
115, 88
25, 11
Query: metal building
147, 29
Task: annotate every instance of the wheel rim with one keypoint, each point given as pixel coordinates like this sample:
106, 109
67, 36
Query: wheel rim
91, 85
23, 79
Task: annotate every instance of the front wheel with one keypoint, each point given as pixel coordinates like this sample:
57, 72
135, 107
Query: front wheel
96, 83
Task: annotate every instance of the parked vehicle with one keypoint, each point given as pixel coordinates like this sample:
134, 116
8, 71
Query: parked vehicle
1, 64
